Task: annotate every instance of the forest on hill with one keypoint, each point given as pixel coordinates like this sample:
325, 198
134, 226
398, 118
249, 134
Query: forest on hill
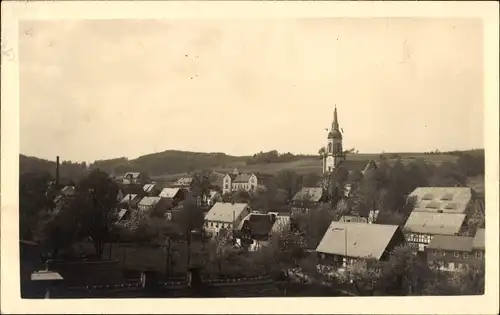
175, 162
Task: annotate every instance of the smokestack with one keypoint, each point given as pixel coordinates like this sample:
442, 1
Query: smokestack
57, 171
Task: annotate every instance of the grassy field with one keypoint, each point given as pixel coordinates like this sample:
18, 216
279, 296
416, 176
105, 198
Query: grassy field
311, 165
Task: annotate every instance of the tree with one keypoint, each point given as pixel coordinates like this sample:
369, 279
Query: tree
34, 198
321, 152
288, 181
59, 232
287, 249
189, 219
366, 197
476, 219
313, 224
93, 208
447, 175
364, 274
201, 186
311, 180
403, 274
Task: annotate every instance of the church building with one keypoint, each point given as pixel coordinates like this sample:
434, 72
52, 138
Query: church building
334, 153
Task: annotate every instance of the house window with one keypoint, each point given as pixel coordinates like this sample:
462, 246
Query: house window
456, 254
211, 224
434, 252
466, 255
479, 255
451, 266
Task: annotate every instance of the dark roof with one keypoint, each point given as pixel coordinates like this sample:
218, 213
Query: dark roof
88, 272
260, 224
451, 242
478, 242
242, 178
334, 134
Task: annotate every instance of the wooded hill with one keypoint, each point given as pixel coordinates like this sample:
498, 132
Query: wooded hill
178, 162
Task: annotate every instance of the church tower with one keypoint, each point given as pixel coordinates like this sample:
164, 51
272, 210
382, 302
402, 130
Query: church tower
334, 153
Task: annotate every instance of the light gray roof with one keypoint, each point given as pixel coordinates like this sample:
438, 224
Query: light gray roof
450, 242
434, 223
45, 275
68, 190
363, 240
149, 201
128, 197
184, 181
148, 187
445, 199
313, 194
282, 221
121, 214
169, 192
223, 211
478, 242
133, 174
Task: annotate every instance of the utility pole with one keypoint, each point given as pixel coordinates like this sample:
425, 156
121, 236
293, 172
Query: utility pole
167, 261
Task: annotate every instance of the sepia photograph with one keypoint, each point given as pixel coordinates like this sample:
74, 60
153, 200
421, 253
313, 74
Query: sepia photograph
254, 157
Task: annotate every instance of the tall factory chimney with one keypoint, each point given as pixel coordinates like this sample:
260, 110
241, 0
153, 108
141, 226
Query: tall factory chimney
57, 171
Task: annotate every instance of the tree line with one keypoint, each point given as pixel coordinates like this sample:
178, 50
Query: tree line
273, 156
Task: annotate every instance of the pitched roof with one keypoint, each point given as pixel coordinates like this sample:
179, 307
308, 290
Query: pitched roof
148, 187
435, 223
363, 240
282, 220
121, 214
451, 242
129, 197
184, 181
45, 275
370, 166
223, 211
242, 178
169, 192
149, 201
133, 174
478, 242
313, 194
258, 223
442, 199
68, 190
213, 194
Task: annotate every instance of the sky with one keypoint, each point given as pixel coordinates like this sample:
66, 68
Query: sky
93, 89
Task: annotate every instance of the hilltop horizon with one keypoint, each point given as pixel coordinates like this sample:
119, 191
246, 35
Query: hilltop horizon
61, 158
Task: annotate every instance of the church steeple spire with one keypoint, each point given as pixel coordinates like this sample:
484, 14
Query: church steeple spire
335, 131
335, 123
